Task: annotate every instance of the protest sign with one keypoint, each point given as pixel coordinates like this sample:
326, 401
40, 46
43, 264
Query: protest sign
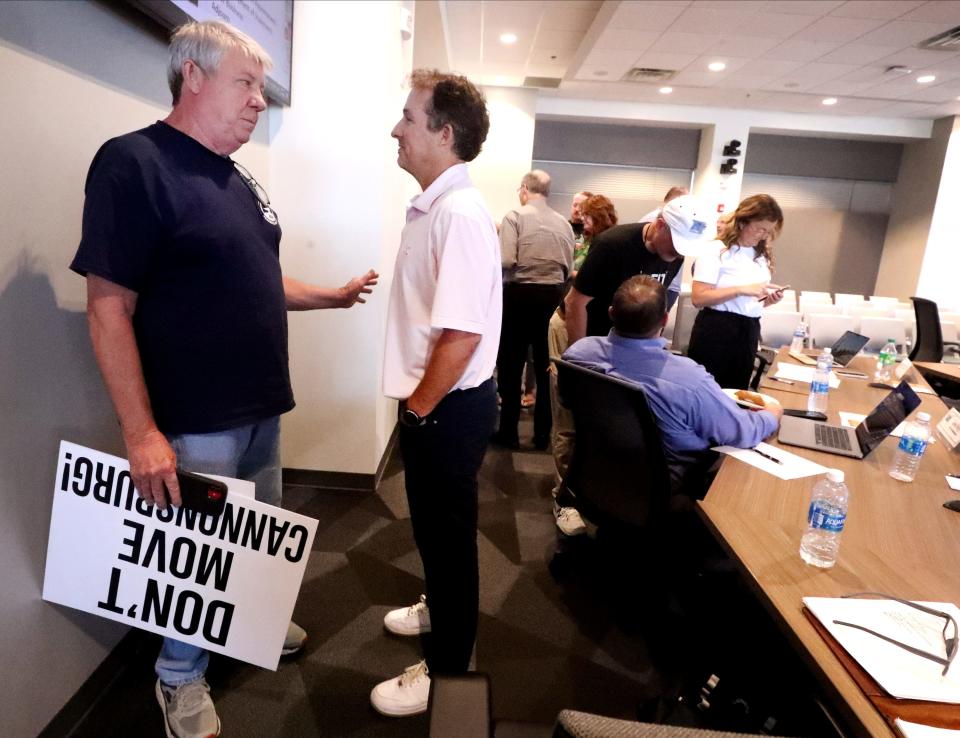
227, 583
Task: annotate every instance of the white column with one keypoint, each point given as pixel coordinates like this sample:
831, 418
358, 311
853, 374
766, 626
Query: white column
508, 152
341, 200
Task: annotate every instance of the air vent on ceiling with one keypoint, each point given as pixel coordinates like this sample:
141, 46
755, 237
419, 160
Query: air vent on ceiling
645, 74
550, 82
946, 41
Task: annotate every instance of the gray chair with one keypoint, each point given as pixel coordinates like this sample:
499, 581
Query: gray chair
460, 706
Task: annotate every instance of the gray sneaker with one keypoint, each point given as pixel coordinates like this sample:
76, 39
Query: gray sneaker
188, 711
295, 639
569, 521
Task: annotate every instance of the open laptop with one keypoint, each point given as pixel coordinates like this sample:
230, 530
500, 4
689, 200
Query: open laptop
854, 442
845, 348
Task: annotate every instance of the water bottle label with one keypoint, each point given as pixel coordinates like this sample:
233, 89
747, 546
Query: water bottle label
826, 517
887, 358
912, 446
820, 388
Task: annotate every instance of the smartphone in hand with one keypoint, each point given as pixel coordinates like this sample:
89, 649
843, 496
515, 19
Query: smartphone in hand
201, 493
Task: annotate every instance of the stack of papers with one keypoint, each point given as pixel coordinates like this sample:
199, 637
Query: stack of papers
796, 373
902, 674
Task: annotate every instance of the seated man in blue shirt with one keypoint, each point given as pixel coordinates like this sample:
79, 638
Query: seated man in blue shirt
692, 412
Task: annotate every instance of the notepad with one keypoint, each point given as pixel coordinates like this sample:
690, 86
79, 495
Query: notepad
802, 374
901, 674
791, 466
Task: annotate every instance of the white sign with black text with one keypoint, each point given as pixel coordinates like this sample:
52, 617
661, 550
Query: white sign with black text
226, 583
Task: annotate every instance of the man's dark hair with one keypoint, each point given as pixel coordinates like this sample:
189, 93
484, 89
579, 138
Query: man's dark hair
639, 305
456, 101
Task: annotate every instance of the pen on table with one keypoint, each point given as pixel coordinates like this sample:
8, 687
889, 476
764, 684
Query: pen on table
955, 476
774, 459
785, 381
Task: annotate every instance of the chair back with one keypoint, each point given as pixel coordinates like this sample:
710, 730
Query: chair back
842, 298
928, 345
808, 308
826, 329
776, 328
878, 330
810, 296
618, 473
574, 724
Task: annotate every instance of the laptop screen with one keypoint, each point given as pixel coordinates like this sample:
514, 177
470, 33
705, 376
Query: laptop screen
848, 346
893, 410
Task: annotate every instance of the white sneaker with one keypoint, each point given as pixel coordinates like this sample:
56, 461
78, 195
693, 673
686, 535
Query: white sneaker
569, 521
409, 621
294, 640
407, 694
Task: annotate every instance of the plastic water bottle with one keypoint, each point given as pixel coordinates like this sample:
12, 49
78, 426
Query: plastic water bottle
825, 520
910, 450
820, 386
799, 337
885, 362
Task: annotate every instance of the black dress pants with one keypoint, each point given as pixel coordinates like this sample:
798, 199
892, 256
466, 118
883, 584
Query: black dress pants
526, 316
441, 460
726, 345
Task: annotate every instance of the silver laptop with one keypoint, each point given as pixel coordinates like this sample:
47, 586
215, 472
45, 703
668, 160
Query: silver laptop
854, 442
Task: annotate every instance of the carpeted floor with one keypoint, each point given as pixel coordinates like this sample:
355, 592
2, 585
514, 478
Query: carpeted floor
547, 642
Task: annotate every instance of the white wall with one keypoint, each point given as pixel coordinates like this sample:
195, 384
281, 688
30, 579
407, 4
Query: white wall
341, 200
508, 151
941, 260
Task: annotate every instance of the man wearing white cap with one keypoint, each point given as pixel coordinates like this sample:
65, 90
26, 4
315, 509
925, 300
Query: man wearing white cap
655, 248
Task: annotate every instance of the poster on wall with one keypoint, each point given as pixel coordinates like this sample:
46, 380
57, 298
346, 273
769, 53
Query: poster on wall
227, 583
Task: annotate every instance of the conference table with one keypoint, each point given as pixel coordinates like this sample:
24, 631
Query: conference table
949, 372
898, 537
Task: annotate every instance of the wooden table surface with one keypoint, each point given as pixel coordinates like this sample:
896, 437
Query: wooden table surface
898, 538
944, 371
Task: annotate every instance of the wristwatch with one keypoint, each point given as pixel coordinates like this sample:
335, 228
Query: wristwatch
410, 419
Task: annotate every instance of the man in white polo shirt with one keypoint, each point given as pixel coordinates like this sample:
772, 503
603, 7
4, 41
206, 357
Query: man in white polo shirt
443, 329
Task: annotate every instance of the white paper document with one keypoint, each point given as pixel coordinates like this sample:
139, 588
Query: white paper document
953, 483
796, 373
766, 457
916, 730
902, 674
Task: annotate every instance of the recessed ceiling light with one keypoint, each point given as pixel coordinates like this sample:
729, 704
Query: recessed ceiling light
717, 66
666, 90
926, 78
829, 101
508, 38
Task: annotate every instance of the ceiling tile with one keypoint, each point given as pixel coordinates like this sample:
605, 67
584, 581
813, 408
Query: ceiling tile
664, 60
621, 38
937, 11
744, 46
645, 16
901, 33
838, 29
810, 75
565, 40
800, 50
857, 54
757, 73
917, 58
611, 57
687, 43
698, 75
536, 69
564, 17
803, 7
880, 9
550, 56
738, 23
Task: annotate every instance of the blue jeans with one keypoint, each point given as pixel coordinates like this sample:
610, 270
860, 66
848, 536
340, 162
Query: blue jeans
250, 452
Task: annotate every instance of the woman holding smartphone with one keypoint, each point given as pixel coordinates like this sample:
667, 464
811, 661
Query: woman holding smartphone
731, 282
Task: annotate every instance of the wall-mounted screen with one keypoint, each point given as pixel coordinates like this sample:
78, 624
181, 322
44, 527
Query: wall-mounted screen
269, 22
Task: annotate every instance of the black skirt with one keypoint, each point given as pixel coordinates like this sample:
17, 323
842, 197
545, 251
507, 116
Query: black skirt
726, 345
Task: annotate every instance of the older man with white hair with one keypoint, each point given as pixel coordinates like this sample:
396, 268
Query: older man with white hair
180, 248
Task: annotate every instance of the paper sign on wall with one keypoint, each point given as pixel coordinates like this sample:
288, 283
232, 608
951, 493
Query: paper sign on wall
226, 583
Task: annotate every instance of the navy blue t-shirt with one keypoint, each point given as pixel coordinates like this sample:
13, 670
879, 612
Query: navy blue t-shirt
173, 221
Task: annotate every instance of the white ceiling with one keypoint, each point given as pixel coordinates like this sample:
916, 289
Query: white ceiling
780, 54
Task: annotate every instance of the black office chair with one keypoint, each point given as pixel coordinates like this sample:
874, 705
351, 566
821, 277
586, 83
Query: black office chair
618, 475
928, 339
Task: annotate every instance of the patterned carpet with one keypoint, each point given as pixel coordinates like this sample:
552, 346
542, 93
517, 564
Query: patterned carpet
548, 640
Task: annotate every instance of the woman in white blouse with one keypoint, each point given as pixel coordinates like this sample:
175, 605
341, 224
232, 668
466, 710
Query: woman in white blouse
731, 282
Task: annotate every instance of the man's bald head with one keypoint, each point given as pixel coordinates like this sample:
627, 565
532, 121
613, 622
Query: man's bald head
639, 307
